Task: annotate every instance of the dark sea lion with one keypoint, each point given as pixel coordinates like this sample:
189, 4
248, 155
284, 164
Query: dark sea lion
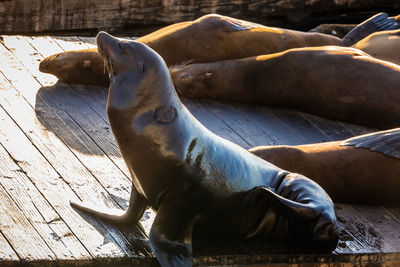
338, 30
334, 82
364, 169
192, 177
207, 39
384, 45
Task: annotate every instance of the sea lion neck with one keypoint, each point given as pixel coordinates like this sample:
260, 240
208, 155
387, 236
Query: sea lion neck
132, 94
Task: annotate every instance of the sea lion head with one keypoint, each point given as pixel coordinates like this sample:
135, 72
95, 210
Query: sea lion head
136, 74
193, 81
76, 67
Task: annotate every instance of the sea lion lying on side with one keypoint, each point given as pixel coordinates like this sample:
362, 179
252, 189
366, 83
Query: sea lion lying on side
207, 39
363, 169
383, 45
192, 177
334, 82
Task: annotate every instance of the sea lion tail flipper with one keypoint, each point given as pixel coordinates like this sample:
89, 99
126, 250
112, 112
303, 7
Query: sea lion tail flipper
137, 206
379, 22
171, 234
110, 217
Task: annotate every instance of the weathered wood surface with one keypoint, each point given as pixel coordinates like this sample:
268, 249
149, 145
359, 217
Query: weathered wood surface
57, 15
56, 146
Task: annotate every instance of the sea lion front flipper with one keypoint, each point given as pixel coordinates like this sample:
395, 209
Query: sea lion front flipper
379, 22
137, 206
171, 233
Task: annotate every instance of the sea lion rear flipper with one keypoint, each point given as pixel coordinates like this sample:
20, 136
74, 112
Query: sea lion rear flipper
171, 234
379, 22
289, 206
386, 142
137, 206
309, 210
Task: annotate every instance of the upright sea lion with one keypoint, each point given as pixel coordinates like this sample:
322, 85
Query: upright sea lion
384, 45
334, 82
207, 39
364, 169
193, 178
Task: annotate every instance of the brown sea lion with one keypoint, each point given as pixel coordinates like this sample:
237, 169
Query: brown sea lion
207, 39
192, 177
364, 169
384, 45
334, 82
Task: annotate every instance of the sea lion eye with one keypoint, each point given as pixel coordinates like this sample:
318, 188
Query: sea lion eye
122, 45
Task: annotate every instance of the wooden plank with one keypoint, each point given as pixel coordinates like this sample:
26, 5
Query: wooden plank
360, 235
70, 168
53, 15
239, 124
7, 253
294, 120
213, 123
358, 129
35, 208
90, 42
383, 223
69, 43
19, 232
264, 118
333, 129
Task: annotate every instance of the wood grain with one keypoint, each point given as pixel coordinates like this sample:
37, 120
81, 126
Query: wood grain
56, 15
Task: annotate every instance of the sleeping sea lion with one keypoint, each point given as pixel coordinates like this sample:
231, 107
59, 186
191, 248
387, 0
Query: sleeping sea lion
334, 82
363, 169
338, 30
384, 45
207, 39
192, 177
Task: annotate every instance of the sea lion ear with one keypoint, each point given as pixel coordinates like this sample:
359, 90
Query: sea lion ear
141, 66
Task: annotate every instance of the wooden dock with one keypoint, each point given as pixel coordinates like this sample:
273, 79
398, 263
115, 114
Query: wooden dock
56, 145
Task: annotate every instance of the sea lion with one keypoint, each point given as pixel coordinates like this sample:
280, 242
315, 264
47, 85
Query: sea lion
384, 45
192, 177
207, 39
363, 169
338, 30
334, 82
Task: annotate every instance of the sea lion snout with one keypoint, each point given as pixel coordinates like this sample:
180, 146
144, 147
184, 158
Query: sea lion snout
192, 81
45, 63
53, 63
105, 42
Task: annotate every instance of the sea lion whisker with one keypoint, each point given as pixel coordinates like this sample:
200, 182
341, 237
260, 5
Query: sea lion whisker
177, 67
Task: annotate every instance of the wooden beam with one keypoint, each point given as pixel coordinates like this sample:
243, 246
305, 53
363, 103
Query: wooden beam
56, 15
